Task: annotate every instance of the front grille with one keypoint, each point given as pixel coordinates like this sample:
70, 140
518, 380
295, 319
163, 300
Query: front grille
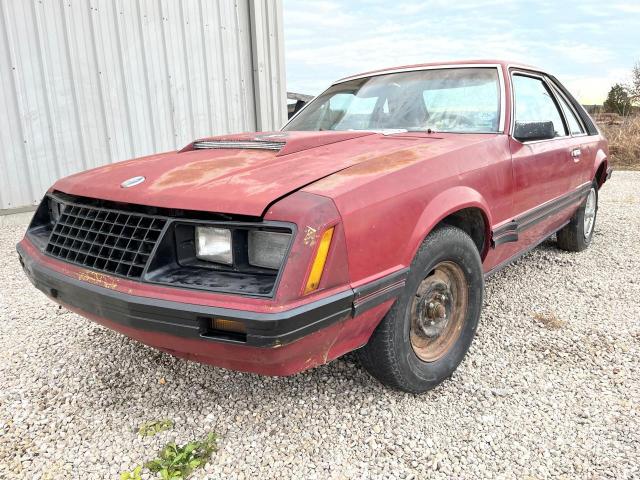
107, 240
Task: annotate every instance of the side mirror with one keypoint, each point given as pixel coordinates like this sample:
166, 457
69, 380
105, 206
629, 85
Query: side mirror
530, 131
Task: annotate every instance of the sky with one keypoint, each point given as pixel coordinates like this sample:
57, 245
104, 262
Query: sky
589, 45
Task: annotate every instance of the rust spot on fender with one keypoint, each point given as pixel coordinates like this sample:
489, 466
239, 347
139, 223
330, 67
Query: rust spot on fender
384, 163
97, 278
372, 165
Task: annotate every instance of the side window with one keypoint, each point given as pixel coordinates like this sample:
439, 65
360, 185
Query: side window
574, 125
534, 103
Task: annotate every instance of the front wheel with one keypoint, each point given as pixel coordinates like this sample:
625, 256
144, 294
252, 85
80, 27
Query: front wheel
427, 332
577, 235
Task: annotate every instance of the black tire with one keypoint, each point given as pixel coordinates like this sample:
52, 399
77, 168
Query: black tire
389, 355
573, 237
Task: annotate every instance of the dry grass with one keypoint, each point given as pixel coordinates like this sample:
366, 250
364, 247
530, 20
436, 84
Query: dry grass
549, 320
623, 134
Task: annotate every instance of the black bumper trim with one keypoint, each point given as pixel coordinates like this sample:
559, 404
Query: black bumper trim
191, 321
186, 319
379, 291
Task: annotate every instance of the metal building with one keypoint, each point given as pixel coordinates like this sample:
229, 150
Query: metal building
87, 82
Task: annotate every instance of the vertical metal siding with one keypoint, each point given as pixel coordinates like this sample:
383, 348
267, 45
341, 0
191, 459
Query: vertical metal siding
84, 83
268, 63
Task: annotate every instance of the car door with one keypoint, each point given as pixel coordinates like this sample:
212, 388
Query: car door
542, 169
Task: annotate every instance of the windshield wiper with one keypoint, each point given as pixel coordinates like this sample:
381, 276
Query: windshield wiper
387, 131
421, 130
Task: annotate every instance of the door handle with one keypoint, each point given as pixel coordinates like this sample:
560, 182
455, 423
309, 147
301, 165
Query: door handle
575, 154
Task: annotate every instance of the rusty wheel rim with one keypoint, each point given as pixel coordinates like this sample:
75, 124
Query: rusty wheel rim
438, 311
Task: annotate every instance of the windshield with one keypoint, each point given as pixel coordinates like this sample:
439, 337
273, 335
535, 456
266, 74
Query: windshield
445, 100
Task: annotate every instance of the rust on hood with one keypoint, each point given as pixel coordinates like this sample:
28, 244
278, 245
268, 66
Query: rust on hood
232, 180
246, 181
203, 171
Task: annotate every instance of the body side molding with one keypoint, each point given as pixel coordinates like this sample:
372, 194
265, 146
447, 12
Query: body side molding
509, 232
379, 291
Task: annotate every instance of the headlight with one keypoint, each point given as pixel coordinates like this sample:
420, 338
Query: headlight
214, 245
267, 249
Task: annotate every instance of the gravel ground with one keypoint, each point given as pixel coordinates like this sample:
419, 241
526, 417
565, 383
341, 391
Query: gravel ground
549, 389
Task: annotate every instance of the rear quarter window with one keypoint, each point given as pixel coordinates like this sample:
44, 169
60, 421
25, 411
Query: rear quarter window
575, 127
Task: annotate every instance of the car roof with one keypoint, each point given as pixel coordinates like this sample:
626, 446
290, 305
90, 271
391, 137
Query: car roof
419, 66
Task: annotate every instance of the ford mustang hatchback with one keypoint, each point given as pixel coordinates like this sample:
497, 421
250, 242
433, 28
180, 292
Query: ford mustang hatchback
368, 222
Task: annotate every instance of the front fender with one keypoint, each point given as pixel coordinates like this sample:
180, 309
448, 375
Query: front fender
443, 205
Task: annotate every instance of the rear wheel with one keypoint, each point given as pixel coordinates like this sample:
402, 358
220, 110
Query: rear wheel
429, 329
578, 233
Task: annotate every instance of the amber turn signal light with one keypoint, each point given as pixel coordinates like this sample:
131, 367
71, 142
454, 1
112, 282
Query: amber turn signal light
225, 325
318, 263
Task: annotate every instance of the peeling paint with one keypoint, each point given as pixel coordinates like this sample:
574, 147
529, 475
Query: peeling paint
199, 172
385, 163
310, 236
371, 164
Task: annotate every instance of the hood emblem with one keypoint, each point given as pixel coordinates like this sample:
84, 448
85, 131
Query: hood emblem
132, 182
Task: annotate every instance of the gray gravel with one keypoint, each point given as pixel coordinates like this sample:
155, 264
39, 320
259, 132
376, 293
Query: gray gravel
550, 387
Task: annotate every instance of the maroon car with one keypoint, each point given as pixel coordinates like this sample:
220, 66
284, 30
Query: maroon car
369, 222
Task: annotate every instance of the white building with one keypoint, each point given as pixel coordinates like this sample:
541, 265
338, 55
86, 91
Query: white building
87, 82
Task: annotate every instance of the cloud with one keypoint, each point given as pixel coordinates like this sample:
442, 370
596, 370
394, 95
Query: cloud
582, 52
593, 89
312, 15
328, 40
627, 7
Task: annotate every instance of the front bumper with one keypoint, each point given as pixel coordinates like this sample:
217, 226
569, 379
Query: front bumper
277, 343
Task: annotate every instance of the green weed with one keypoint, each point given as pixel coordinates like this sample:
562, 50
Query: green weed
135, 474
150, 429
176, 462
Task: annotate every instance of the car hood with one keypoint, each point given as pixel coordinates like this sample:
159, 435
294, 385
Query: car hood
234, 174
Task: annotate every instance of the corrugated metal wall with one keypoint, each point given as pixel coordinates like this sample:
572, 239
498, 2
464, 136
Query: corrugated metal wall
88, 82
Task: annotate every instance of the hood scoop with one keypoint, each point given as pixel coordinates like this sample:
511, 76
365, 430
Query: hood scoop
238, 144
